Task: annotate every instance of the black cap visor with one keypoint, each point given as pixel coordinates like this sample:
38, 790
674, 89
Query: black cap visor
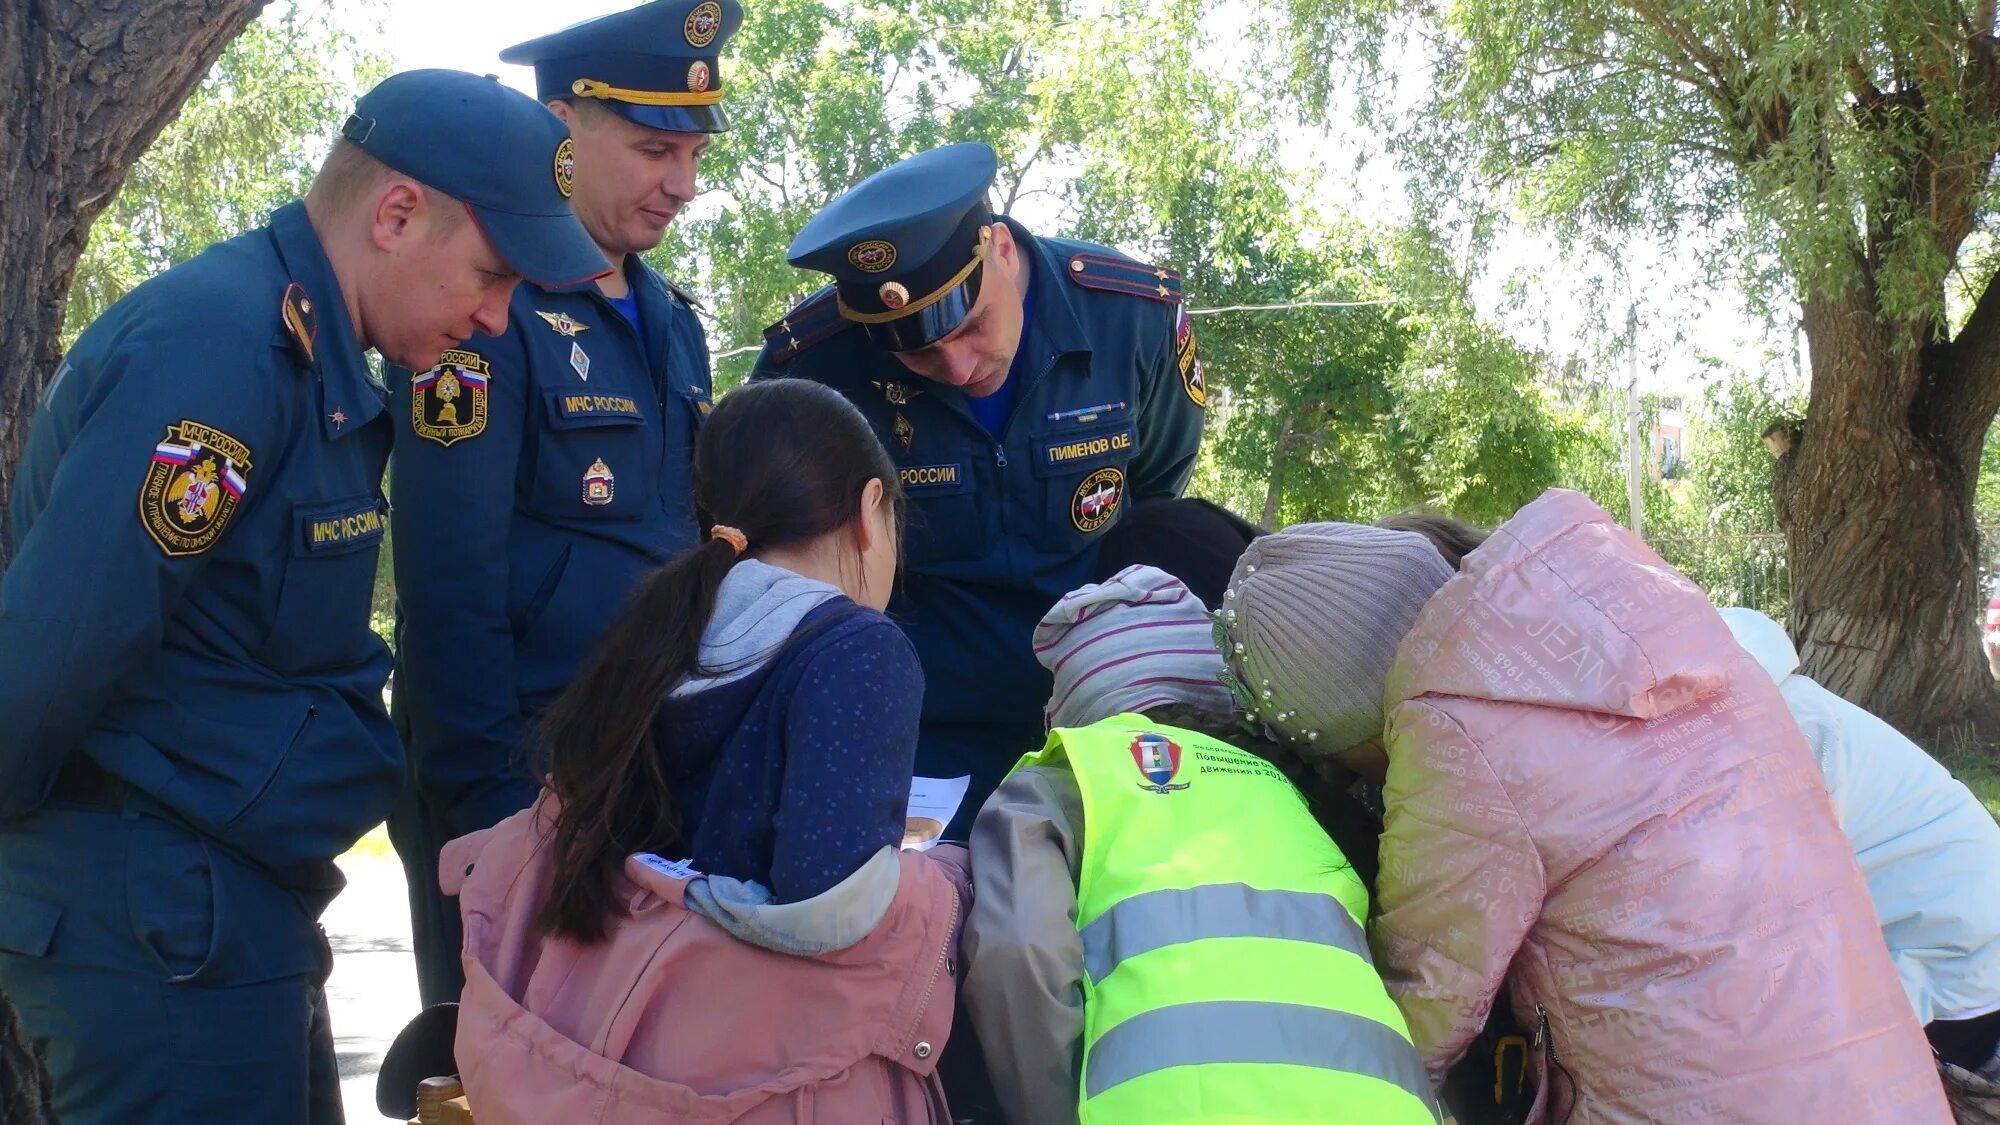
423, 1049
931, 323
673, 118
552, 251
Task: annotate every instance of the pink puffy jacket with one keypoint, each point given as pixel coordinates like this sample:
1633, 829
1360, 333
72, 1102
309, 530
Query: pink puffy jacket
673, 1019
1597, 797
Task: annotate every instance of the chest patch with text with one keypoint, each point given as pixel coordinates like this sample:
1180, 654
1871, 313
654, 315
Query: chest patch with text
1086, 448
921, 479
1097, 499
448, 402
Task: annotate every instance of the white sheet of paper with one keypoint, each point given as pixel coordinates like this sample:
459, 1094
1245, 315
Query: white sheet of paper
933, 802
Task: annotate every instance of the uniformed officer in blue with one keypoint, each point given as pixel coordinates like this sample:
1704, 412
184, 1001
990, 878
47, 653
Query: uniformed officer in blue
191, 718
542, 470
1029, 389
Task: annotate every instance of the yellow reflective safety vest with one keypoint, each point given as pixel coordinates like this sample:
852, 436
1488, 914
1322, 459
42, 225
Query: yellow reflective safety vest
1226, 970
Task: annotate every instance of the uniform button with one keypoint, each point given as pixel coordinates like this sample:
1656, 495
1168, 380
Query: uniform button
922, 1050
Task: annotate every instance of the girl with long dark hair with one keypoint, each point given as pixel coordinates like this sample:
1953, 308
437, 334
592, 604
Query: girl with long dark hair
706, 916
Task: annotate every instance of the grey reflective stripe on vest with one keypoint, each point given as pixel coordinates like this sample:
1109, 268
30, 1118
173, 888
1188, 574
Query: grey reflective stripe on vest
1149, 921
1249, 1031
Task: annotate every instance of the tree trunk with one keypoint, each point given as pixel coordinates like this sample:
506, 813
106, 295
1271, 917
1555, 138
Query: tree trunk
87, 88
1876, 502
1274, 484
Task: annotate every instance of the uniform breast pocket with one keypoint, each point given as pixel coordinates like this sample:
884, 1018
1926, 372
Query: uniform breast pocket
597, 458
1083, 481
945, 522
329, 584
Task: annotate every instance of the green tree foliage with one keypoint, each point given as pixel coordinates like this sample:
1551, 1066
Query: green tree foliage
822, 95
247, 141
1843, 153
1110, 128
1719, 526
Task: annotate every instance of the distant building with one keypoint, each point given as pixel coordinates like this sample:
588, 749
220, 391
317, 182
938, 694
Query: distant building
1669, 443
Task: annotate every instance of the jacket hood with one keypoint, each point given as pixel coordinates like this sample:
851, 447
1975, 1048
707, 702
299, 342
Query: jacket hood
757, 609
1764, 639
1562, 607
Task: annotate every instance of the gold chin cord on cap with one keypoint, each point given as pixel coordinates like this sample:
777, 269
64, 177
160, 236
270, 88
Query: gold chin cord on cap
604, 91
736, 539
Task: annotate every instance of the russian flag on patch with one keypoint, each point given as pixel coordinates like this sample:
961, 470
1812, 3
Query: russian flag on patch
419, 382
470, 377
232, 480
169, 453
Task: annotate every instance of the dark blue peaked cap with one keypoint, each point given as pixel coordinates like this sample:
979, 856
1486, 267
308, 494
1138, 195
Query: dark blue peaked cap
907, 246
658, 65
498, 150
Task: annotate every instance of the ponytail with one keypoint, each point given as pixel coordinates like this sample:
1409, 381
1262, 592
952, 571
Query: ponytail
778, 463
597, 738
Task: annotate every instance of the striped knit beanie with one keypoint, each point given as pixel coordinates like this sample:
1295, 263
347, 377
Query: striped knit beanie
1136, 640
1311, 622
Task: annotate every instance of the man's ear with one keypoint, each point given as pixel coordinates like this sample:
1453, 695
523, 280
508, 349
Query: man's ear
1004, 246
562, 108
399, 208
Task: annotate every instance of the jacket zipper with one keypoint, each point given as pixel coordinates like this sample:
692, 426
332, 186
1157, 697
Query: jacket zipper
1547, 1042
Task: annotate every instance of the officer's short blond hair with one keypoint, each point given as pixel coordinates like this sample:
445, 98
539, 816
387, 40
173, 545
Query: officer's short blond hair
590, 113
350, 175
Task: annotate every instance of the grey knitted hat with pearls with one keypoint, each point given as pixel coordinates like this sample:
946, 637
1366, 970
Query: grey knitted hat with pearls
1311, 621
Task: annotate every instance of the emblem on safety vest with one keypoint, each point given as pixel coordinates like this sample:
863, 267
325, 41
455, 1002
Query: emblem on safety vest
196, 479
1096, 499
448, 402
1159, 759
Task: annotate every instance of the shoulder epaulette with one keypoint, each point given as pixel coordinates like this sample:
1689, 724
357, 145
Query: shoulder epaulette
301, 322
1115, 273
809, 324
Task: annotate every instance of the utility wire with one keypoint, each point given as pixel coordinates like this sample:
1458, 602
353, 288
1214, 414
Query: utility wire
1278, 307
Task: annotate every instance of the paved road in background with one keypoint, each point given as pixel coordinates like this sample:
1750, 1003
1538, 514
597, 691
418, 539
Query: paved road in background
373, 990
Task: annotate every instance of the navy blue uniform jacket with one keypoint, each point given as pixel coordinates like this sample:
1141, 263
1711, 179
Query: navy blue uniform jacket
1110, 411
526, 513
196, 523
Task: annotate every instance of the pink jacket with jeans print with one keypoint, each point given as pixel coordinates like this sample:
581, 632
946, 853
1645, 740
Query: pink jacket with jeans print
1596, 797
674, 1018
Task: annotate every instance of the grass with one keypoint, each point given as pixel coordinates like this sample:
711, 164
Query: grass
1970, 759
1981, 774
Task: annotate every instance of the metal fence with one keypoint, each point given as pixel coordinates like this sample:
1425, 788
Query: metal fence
1748, 570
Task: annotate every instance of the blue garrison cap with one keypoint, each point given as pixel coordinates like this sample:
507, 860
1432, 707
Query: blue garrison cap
501, 152
907, 246
658, 65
